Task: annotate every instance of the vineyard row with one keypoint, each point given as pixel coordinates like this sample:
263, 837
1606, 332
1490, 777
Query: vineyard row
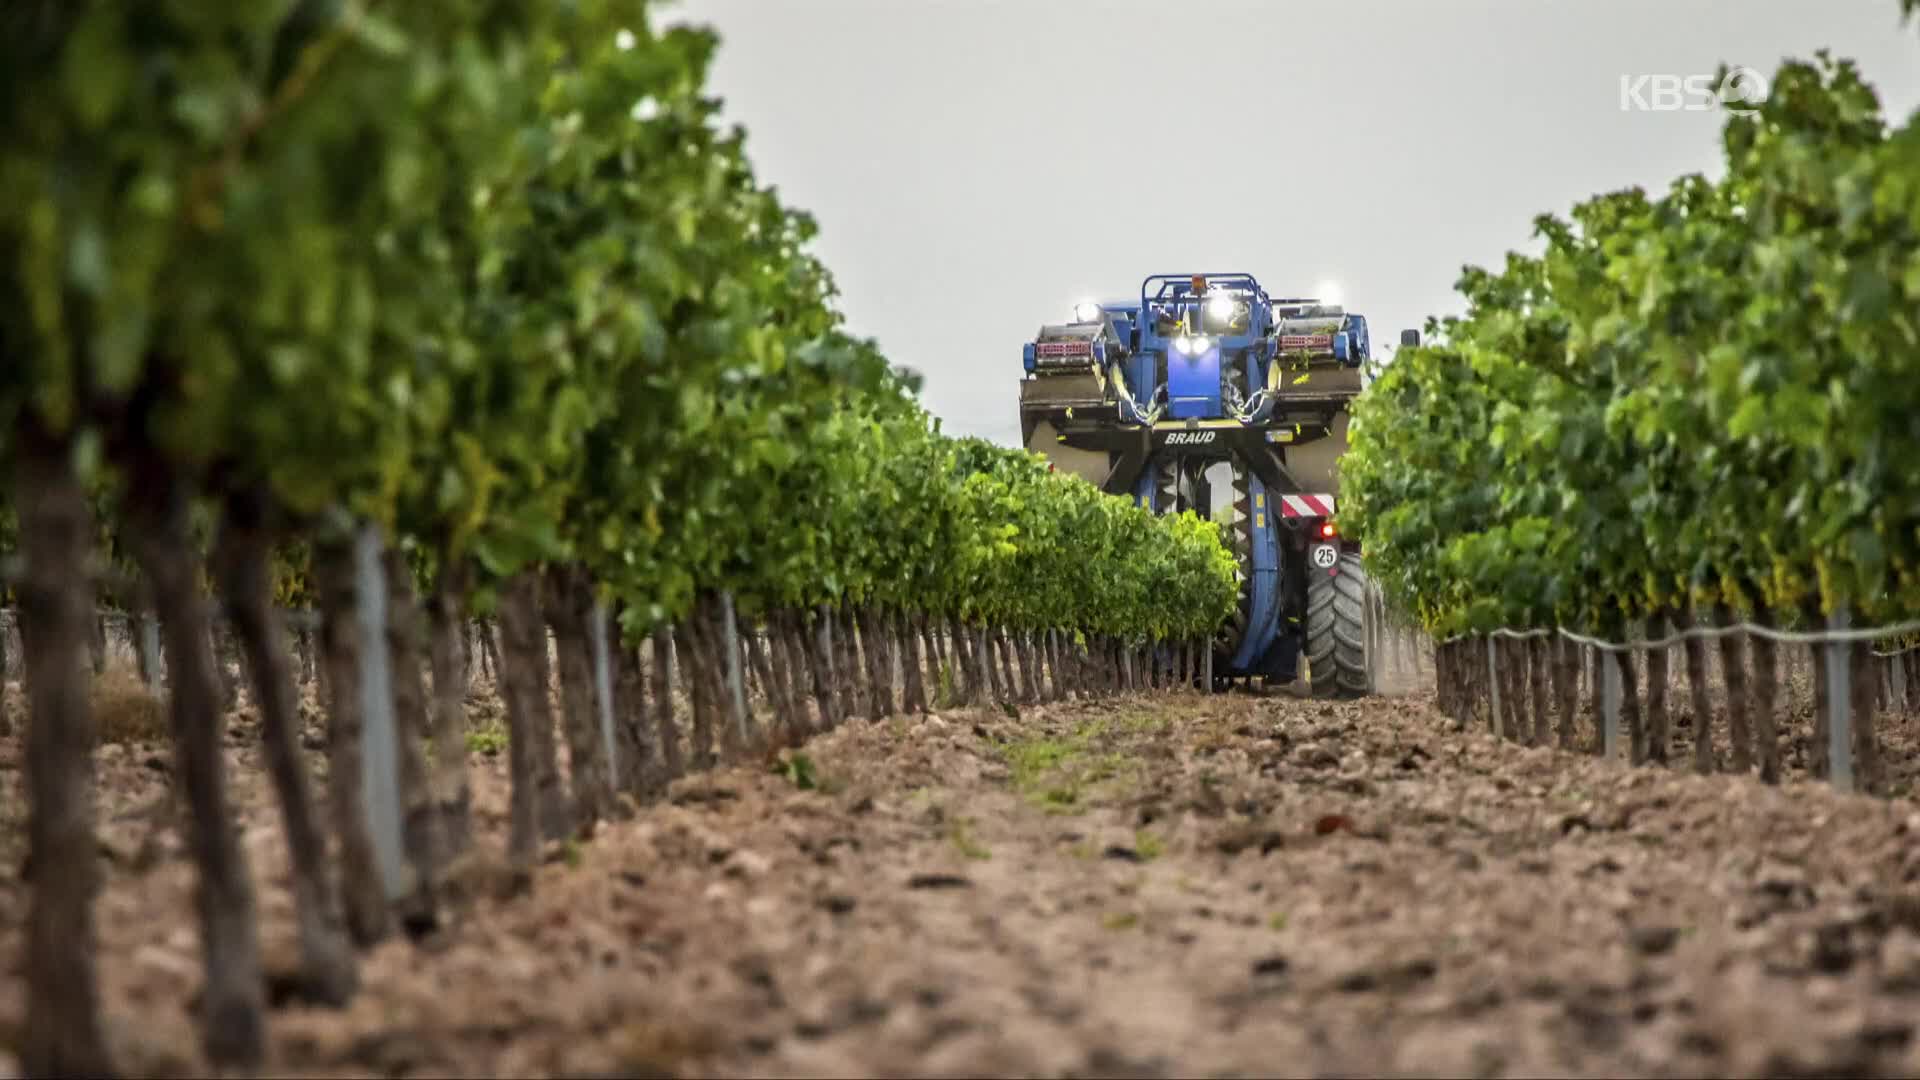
1689, 409
415, 313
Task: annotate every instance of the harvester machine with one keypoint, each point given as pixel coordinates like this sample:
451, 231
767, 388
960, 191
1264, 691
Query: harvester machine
1206, 394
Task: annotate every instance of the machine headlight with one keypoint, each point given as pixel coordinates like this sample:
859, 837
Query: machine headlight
1201, 344
1192, 346
1087, 311
1220, 308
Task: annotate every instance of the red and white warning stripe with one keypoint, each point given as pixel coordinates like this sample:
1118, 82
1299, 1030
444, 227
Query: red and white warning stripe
1295, 506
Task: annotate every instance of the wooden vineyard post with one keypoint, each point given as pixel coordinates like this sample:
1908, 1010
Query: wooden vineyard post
1839, 718
603, 691
147, 649
1609, 704
1493, 686
379, 757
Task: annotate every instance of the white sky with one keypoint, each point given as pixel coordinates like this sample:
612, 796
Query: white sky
978, 165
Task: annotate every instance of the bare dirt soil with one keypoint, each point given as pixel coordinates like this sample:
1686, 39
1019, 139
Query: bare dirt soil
1164, 886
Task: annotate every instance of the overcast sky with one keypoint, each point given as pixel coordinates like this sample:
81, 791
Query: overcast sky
978, 165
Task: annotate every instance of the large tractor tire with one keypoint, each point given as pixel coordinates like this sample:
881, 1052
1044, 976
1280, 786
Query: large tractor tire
1337, 631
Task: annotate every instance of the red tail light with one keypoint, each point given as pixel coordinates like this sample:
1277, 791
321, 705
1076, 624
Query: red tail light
1327, 530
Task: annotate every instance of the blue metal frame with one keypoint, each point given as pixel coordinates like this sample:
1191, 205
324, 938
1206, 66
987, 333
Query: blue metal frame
1263, 620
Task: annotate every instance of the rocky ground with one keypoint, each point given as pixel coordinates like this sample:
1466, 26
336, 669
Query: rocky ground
1166, 886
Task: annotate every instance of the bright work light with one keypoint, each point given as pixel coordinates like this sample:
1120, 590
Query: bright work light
1086, 311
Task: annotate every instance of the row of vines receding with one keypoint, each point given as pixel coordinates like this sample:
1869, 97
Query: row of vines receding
1696, 406
410, 313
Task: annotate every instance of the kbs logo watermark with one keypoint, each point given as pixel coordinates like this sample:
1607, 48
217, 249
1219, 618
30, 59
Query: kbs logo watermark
1740, 90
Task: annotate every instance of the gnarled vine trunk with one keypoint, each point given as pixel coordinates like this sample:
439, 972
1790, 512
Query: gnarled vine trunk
938, 674
1821, 738
303, 643
569, 604
63, 1035
556, 810
420, 830
965, 683
913, 682
1659, 681
1630, 715
672, 756
1005, 650
762, 668
820, 663
1046, 667
1538, 657
452, 794
690, 645
771, 658
1595, 693
222, 651
158, 533
328, 973
521, 636
990, 668
1030, 668
1766, 702
847, 664
1567, 684
6, 670
1866, 739
1696, 652
791, 640
879, 667
1733, 668
1513, 675
639, 775
1446, 679
490, 648
1460, 685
